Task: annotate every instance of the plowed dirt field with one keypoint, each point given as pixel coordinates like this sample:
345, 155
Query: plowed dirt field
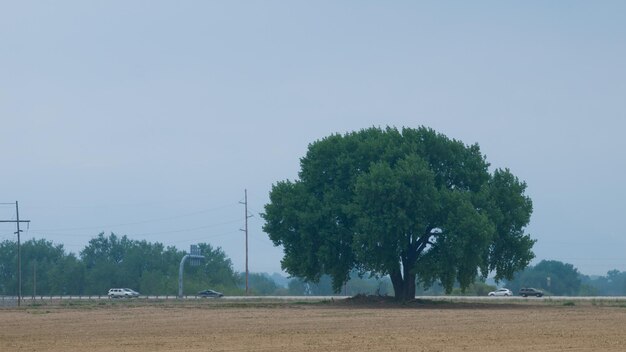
306, 327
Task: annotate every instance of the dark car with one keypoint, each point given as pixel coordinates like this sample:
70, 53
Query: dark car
525, 292
210, 293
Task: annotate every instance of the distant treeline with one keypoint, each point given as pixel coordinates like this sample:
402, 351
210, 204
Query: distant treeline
152, 269
563, 279
111, 261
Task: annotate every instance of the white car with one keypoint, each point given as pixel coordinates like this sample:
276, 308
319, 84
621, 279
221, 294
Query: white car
501, 292
122, 293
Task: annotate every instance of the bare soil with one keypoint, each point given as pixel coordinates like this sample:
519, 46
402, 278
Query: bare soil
354, 325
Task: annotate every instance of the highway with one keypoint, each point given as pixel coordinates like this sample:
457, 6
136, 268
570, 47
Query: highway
328, 298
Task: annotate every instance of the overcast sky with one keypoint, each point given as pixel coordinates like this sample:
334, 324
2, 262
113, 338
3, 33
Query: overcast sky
150, 118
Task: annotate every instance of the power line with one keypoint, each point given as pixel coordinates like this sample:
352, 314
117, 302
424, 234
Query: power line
139, 222
206, 237
151, 233
117, 205
186, 230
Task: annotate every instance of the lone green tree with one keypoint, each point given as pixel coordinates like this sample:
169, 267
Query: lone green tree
411, 203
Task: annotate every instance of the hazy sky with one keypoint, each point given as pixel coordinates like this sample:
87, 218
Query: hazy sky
150, 118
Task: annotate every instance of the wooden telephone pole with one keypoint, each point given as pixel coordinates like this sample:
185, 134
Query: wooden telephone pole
17, 222
245, 203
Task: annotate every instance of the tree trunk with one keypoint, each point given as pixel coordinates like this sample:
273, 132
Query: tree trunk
404, 287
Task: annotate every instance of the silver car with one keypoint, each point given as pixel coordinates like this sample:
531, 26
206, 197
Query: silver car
501, 292
122, 293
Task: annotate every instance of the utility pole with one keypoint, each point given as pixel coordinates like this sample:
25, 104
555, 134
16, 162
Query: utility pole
34, 279
245, 203
19, 254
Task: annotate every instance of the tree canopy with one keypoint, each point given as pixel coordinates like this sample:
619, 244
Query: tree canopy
407, 203
112, 261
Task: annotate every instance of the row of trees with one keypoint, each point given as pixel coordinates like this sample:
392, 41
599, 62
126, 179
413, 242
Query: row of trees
563, 279
111, 261
151, 268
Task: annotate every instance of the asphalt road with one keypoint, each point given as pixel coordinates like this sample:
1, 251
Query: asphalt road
323, 298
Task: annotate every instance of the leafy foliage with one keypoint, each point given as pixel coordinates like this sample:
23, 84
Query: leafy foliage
111, 261
552, 276
407, 204
56, 272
